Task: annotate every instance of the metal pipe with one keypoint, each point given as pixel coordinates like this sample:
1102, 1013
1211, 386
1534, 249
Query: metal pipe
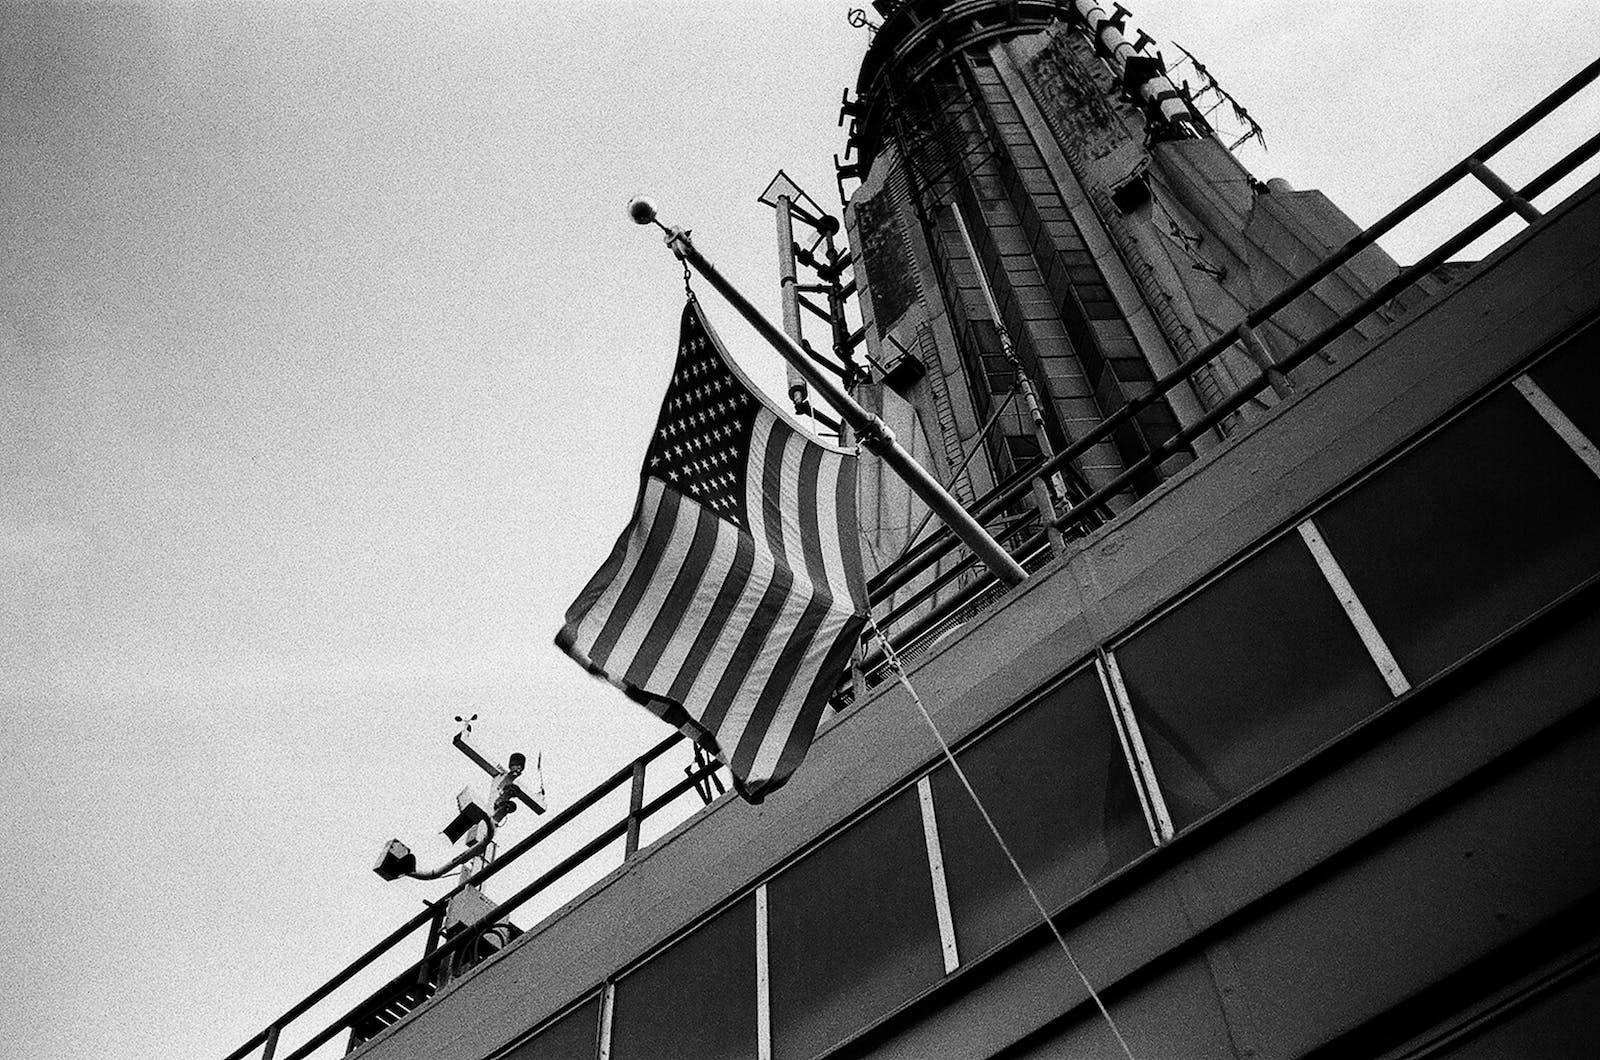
431, 943
840, 327
964, 596
630, 845
977, 444
789, 297
460, 859
1054, 490
1492, 180
905, 606
872, 431
942, 542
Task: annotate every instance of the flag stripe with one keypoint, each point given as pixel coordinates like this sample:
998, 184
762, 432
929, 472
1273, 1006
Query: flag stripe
688, 616
755, 508
822, 686
792, 548
771, 499
668, 614
662, 525
810, 534
829, 533
752, 718
774, 702
833, 625
694, 664
677, 540
850, 534
603, 577
744, 653
741, 612
594, 619
766, 673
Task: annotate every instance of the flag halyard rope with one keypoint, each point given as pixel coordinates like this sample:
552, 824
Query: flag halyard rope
893, 661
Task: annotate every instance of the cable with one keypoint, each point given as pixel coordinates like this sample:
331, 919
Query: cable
899, 671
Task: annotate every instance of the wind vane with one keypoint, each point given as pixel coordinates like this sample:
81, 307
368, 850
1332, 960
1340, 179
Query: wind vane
857, 17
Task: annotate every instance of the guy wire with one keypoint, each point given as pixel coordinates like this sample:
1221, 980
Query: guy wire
893, 660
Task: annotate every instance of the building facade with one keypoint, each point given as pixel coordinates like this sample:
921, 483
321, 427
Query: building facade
1295, 728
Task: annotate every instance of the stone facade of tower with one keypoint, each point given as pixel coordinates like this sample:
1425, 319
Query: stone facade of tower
1118, 234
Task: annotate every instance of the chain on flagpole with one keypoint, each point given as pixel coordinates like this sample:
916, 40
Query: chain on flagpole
892, 660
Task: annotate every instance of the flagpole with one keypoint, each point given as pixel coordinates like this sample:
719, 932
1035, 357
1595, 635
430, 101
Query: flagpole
872, 431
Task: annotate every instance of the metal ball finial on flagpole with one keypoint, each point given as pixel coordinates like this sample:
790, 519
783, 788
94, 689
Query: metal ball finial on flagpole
872, 431
643, 212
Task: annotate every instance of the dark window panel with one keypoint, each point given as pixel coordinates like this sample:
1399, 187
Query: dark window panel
851, 931
575, 1036
996, 365
1023, 447
1136, 371
1558, 1023
1469, 533
1571, 376
1236, 683
696, 999
1056, 783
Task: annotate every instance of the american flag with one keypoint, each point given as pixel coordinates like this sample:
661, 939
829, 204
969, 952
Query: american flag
731, 603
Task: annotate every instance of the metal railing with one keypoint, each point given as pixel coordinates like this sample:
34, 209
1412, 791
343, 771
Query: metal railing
445, 958
440, 960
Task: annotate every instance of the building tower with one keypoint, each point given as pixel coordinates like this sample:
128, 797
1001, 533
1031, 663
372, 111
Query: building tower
1115, 235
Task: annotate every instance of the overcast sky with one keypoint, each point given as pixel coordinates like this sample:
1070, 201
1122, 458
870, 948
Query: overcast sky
327, 361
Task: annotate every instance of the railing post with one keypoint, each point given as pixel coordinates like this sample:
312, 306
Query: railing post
635, 801
435, 928
1263, 357
1491, 180
272, 1042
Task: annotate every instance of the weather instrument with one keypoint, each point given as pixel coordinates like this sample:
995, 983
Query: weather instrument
475, 820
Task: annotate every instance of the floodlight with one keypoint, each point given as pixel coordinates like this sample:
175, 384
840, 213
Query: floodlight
395, 861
